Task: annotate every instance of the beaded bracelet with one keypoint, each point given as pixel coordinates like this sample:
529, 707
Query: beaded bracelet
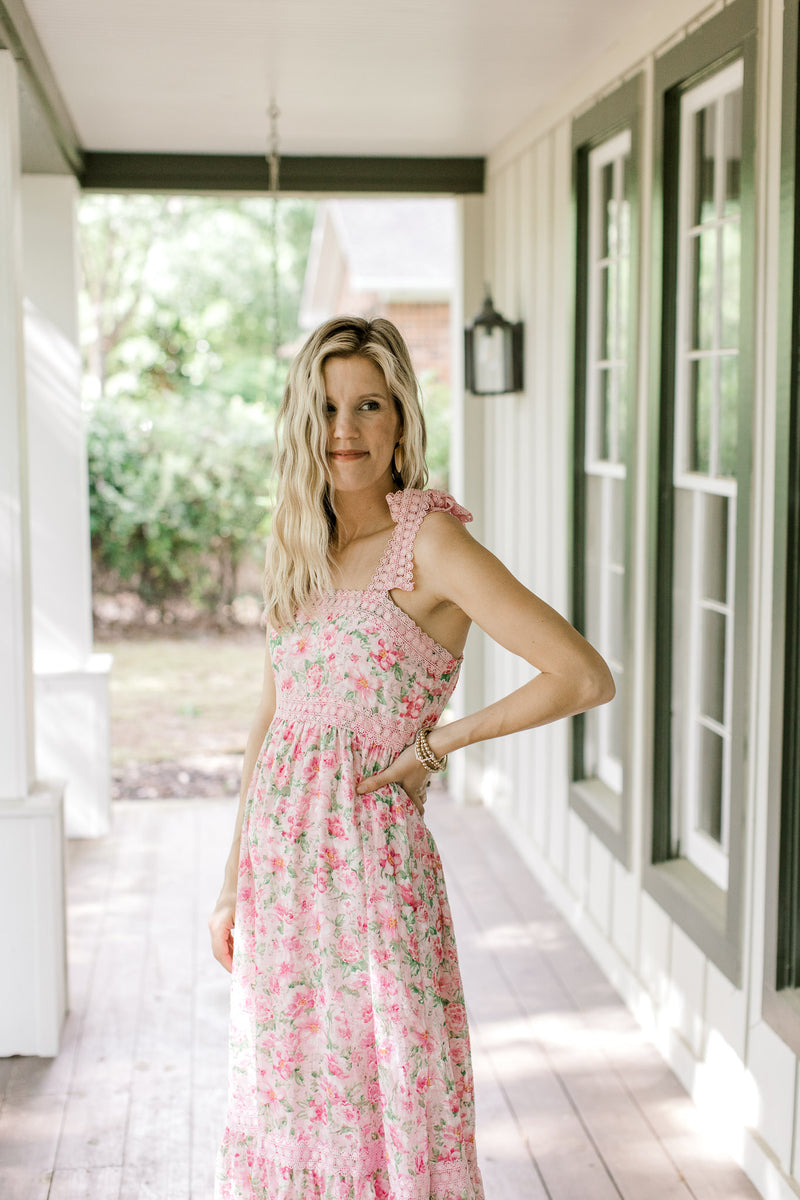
425, 755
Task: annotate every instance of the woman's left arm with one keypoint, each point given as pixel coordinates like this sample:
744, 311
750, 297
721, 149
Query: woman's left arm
572, 677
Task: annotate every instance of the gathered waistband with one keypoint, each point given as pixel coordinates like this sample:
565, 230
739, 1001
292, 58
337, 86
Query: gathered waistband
368, 728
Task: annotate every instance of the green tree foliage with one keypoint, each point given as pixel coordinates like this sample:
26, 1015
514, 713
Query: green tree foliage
178, 494
436, 408
183, 382
179, 294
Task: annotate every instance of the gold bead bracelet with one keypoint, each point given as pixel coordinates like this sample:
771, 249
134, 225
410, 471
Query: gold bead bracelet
425, 754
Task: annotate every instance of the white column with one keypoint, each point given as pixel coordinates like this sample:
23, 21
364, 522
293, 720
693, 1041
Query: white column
33, 983
466, 470
72, 693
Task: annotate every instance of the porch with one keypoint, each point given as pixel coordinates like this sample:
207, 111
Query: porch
573, 1102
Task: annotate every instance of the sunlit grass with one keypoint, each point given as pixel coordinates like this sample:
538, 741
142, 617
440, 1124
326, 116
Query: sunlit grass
179, 698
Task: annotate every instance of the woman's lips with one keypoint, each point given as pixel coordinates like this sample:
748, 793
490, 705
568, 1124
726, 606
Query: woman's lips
348, 455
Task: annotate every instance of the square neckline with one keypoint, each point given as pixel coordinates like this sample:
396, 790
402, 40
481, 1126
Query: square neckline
384, 592
384, 559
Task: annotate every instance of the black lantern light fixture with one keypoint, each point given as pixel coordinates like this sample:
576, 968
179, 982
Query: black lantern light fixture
492, 353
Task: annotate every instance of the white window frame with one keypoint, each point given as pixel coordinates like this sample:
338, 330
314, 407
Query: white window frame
614, 150
710, 856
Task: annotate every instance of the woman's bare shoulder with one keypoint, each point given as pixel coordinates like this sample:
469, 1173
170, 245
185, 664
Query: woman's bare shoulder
440, 531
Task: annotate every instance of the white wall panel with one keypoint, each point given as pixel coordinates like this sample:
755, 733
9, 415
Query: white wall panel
698, 1017
686, 1003
577, 857
655, 942
599, 884
625, 913
726, 1010
774, 1069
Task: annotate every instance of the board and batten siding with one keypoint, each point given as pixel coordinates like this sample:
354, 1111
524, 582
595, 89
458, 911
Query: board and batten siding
710, 1027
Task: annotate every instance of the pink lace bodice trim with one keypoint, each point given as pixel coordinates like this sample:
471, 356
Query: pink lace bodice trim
412, 637
369, 728
408, 509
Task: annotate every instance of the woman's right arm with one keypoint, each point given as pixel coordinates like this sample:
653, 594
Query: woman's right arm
222, 919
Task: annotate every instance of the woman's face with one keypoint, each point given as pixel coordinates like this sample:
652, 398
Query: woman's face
363, 424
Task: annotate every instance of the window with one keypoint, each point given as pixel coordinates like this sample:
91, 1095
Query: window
705, 467
605, 157
781, 990
607, 404
704, 135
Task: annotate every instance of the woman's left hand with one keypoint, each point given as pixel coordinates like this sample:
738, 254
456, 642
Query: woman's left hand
405, 770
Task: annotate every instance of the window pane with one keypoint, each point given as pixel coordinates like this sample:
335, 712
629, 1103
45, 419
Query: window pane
594, 542
616, 495
624, 224
733, 151
621, 372
704, 286
729, 414
712, 666
609, 232
709, 782
730, 300
605, 314
623, 307
681, 621
715, 549
700, 400
591, 738
616, 624
615, 720
605, 392
704, 129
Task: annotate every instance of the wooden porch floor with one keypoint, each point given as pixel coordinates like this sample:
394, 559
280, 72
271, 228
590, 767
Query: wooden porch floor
573, 1103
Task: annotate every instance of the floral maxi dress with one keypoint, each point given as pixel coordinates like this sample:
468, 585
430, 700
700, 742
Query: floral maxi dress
350, 1074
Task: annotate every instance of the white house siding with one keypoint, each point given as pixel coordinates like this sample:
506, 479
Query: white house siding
711, 1031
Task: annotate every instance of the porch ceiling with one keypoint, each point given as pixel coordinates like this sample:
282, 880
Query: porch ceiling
351, 77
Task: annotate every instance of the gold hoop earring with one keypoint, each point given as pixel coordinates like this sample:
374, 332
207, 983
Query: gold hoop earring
398, 459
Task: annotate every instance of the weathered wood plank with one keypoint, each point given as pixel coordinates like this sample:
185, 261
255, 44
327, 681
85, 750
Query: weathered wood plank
507, 1167
96, 1115
158, 1134
565, 1156
28, 1137
6, 1067
625, 1091
572, 1101
214, 826
83, 1183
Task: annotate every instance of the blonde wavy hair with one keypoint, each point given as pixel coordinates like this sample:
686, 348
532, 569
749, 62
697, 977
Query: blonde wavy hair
299, 564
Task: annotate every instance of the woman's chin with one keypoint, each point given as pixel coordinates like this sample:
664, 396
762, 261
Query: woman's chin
348, 480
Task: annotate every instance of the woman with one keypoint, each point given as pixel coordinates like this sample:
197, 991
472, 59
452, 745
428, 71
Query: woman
350, 1074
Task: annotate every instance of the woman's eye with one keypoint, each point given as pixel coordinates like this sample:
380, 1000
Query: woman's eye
370, 405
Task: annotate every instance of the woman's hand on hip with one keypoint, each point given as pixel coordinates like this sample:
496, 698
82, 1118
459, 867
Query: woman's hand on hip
407, 771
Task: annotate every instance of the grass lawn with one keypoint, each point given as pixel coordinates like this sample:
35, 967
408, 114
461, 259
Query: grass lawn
182, 698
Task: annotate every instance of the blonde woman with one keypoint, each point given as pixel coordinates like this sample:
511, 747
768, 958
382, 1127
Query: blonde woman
350, 1074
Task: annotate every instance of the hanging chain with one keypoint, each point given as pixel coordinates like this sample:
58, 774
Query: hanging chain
273, 159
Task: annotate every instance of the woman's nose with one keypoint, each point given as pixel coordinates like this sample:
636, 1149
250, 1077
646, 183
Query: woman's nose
343, 424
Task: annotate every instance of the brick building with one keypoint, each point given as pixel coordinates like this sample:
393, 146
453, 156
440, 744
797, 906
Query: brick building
388, 258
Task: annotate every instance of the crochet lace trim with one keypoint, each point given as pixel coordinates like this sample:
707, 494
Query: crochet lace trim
292, 1153
370, 728
408, 632
408, 509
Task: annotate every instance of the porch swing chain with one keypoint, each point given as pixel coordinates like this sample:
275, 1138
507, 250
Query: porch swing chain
273, 159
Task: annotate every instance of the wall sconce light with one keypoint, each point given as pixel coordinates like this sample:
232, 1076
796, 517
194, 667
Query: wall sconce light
492, 353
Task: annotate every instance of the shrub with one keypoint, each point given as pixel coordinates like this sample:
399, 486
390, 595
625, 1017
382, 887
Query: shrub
178, 493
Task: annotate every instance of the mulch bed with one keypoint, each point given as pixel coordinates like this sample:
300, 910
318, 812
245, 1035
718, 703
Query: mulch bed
184, 779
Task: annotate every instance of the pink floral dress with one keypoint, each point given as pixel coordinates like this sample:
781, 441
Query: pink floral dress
350, 1073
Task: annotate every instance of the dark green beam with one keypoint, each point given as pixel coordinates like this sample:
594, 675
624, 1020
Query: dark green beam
249, 173
18, 35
